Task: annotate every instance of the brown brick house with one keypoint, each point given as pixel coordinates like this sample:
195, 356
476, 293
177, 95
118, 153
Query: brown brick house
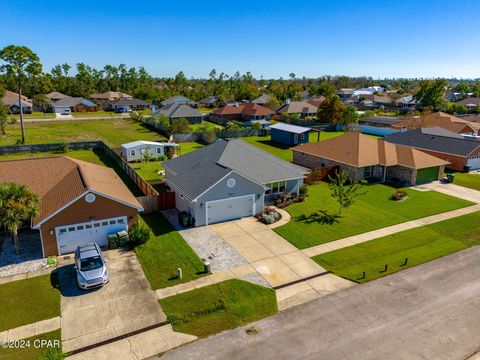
365, 157
243, 112
80, 202
439, 119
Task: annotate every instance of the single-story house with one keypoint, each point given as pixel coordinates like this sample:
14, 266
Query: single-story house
243, 112
262, 99
74, 104
459, 151
177, 111
229, 179
209, 101
127, 105
80, 202
110, 96
178, 100
264, 124
472, 102
289, 135
134, 150
365, 157
439, 119
379, 121
10, 99
302, 108
406, 102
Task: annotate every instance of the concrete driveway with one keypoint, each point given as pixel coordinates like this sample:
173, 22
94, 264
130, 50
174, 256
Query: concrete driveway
452, 190
426, 312
122, 306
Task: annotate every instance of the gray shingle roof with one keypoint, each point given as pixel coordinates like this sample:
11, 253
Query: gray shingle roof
382, 120
178, 99
179, 111
442, 140
262, 99
195, 172
129, 102
73, 101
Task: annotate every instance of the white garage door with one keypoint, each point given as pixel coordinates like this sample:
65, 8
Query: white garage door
474, 163
71, 236
229, 209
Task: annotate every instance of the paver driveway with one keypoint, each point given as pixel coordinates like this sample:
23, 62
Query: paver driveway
124, 305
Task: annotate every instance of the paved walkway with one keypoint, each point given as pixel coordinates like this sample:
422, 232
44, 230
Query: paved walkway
29, 330
141, 346
361, 238
426, 312
452, 190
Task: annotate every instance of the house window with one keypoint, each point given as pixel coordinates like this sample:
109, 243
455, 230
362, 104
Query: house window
276, 187
368, 171
132, 152
120, 221
112, 222
295, 138
88, 226
105, 223
80, 227
96, 225
159, 150
302, 136
63, 231
71, 229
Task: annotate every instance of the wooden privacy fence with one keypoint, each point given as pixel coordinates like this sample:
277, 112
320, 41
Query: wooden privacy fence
165, 200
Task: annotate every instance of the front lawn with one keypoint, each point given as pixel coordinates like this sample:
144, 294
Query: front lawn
27, 301
195, 128
34, 115
165, 252
219, 307
372, 211
112, 132
471, 181
419, 245
46, 351
282, 151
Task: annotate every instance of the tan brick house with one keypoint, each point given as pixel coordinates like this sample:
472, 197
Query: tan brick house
80, 202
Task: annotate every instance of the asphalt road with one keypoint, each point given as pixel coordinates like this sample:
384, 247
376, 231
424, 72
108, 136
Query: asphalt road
431, 311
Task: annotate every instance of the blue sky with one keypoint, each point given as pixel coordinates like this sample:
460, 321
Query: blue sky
388, 38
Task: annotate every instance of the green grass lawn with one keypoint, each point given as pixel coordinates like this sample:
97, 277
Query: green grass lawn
27, 301
165, 252
471, 181
419, 245
35, 353
219, 307
194, 128
374, 210
112, 132
96, 113
34, 115
85, 155
282, 151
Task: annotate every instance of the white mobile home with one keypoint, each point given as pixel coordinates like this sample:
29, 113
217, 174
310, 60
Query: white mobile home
134, 150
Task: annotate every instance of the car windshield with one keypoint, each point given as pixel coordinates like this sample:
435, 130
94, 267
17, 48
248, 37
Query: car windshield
91, 263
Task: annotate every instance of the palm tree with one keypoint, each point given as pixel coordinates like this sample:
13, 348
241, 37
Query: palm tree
17, 204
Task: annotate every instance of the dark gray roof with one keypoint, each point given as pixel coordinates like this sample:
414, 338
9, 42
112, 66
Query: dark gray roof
208, 100
129, 102
73, 101
179, 111
382, 120
262, 99
197, 171
435, 140
178, 99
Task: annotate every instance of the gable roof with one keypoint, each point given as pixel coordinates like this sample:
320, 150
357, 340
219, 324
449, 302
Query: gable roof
262, 99
297, 107
179, 111
316, 100
445, 142
473, 101
178, 99
213, 162
110, 95
60, 180
73, 101
208, 100
359, 150
11, 99
290, 128
129, 102
247, 109
56, 95
437, 119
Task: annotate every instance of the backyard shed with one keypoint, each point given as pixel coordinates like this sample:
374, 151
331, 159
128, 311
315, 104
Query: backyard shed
289, 135
135, 150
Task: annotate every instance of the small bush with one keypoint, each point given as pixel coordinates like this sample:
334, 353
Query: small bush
303, 190
269, 215
139, 234
399, 195
64, 147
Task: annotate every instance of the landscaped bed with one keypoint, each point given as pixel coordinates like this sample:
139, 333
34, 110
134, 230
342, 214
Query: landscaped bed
165, 252
419, 245
219, 307
372, 211
27, 301
47, 351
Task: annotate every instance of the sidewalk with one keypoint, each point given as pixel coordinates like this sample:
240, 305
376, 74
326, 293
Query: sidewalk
361, 238
29, 330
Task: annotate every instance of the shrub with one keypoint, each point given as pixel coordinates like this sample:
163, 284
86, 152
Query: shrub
139, 234
269, 215
303, 190
64, 147
399, 195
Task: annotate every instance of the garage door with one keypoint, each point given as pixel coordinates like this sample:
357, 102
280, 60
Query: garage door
427, 175
474, 163
229, 209
71, 236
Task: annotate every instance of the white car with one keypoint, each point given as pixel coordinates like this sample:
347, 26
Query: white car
90, 267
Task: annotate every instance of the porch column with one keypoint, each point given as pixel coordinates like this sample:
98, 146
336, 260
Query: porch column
384, 173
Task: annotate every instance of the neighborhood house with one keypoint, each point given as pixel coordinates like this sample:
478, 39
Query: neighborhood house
135, 150
69, 105
81, 202
229, 179
10, 99
289, 135
365, 157
243, 112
